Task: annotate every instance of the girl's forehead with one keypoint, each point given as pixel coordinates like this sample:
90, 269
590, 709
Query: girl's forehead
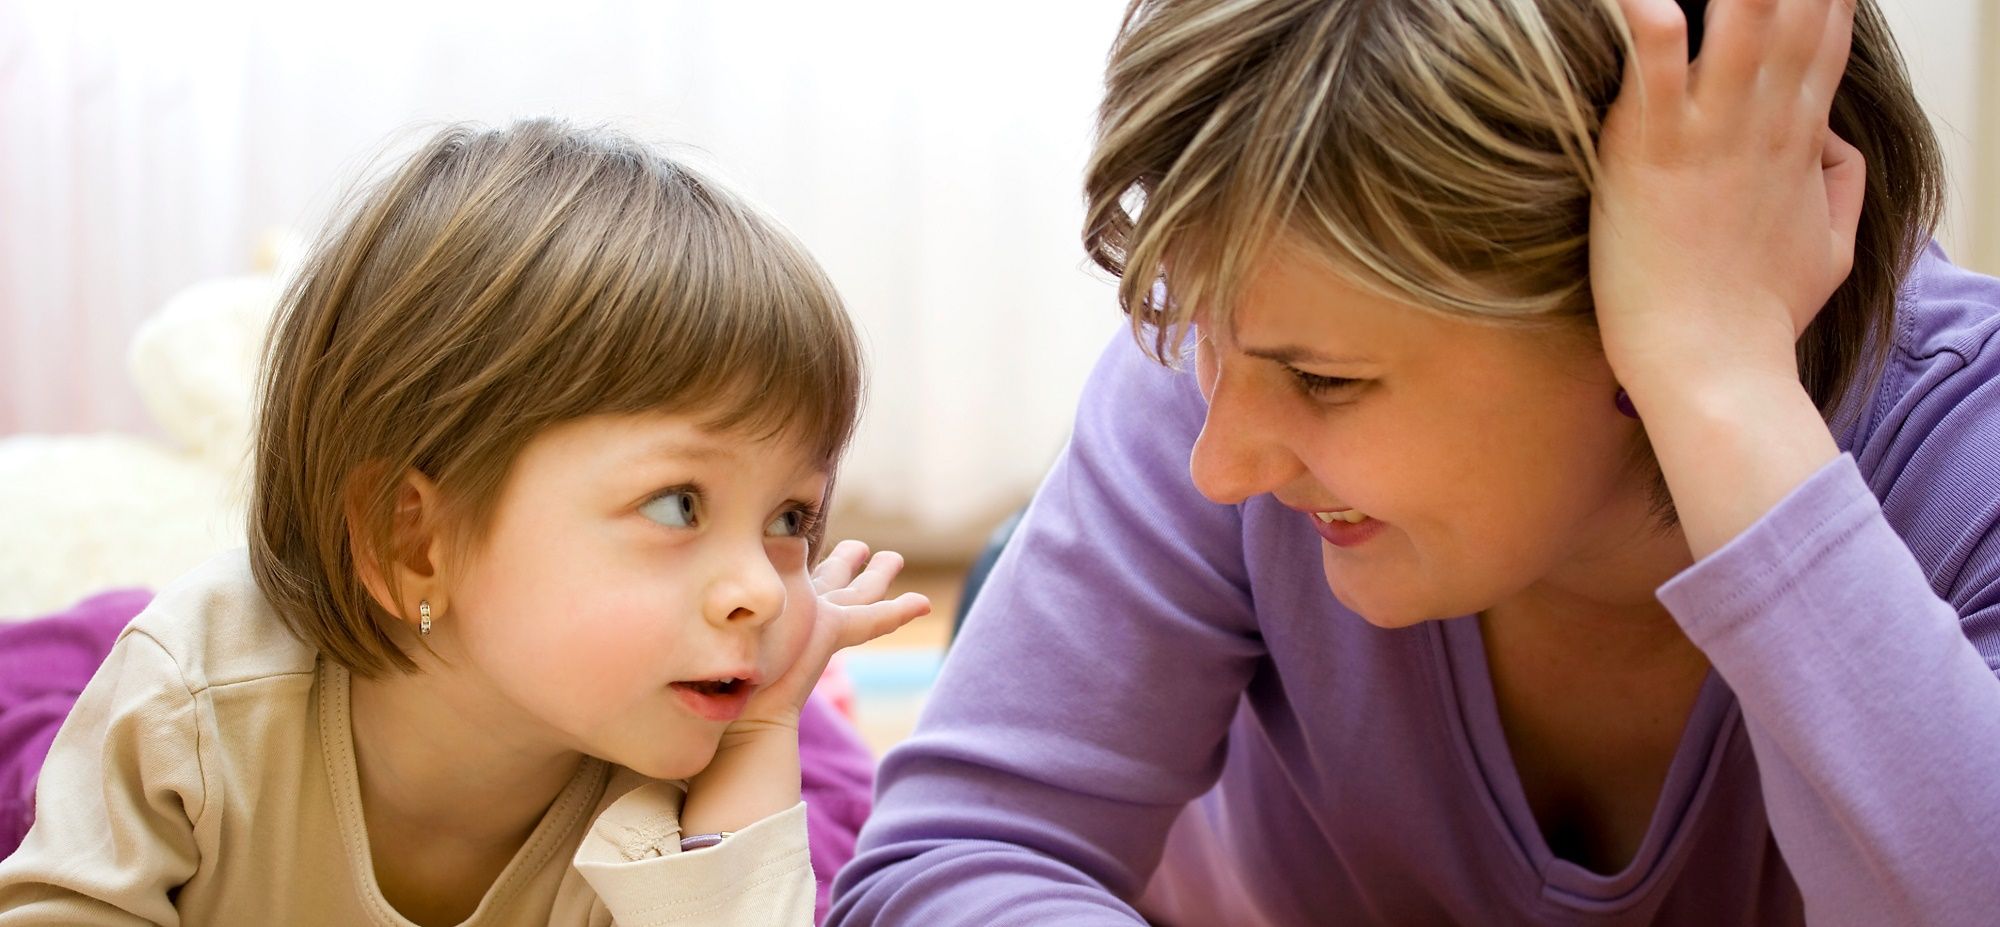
657, 440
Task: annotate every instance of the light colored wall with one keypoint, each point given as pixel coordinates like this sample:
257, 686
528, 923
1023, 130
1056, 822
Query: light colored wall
1950, 46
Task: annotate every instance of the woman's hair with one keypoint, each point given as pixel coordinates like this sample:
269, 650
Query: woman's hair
497, 283
1441, 152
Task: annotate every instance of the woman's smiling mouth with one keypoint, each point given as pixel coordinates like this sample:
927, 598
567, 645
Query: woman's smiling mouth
1345, 527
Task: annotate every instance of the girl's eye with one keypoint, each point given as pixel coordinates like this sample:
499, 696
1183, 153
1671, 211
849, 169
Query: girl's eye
1316, 385
792, 523
675, 508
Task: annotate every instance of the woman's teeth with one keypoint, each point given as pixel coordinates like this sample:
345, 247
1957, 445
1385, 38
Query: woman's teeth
1350, 516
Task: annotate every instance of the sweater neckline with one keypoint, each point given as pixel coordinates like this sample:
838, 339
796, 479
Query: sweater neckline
1461, 651
564, 816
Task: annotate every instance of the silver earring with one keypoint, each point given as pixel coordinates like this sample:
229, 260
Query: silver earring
424, 617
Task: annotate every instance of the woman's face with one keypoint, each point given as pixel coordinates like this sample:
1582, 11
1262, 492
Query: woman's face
1483, 460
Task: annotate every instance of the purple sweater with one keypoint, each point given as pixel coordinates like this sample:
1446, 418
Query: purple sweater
1157, 707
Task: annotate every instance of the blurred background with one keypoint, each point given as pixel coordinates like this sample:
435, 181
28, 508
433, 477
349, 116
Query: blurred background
160, 163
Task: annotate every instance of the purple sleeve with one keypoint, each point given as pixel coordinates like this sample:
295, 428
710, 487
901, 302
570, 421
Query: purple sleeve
1861, 639
1089, 696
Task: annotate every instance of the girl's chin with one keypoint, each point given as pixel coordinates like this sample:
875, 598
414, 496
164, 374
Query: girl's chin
679, 765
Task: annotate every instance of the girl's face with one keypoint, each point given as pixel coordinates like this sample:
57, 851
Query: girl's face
634, 563
1485, 460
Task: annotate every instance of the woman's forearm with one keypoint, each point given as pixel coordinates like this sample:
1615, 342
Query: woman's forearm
1731, 446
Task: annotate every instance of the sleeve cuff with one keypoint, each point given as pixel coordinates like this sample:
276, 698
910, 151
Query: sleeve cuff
1739, 581
631, 857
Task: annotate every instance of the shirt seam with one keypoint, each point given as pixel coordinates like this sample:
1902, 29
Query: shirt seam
194, 697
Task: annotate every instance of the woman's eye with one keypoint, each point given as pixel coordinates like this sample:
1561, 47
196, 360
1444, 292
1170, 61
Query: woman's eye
675, 509
1317, 385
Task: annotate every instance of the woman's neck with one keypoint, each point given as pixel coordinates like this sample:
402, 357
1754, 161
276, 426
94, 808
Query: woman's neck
1603, 594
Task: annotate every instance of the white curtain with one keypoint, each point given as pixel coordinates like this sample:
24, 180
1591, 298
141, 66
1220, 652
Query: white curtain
929, 153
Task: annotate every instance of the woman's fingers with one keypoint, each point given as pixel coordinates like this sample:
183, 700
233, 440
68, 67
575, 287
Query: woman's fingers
1797, 34
1658, 69
1760, 51
1829, 63
1735, 44
839, 567
865, 623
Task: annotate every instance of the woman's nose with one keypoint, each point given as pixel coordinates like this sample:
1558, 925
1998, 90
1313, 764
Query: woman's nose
1242, 451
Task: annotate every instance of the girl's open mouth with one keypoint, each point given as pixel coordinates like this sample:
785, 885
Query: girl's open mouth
715, 699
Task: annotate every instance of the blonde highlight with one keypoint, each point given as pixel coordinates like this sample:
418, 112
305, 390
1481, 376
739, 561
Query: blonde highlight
1440, 152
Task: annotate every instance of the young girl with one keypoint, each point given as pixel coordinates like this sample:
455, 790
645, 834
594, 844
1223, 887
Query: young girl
526, 623
1579, 502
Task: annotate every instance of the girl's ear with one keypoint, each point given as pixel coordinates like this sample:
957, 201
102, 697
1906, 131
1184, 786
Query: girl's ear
408, 570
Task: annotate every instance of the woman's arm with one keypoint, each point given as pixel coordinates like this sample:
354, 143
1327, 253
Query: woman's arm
1862, 639
1724, 219
1089, 696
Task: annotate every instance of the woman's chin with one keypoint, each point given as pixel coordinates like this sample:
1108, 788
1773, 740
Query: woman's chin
1388, 605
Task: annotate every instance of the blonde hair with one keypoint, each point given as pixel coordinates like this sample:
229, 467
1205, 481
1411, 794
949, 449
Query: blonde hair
497, 283
1441, 152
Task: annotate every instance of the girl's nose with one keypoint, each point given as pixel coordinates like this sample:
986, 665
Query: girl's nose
746, 591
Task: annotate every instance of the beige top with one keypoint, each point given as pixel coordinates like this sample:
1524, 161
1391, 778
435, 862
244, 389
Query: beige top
207, 776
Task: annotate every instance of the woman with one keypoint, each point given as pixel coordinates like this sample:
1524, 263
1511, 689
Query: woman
1650, 461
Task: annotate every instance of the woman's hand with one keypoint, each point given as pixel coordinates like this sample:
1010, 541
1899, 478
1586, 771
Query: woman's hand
1726, 209
1724, 218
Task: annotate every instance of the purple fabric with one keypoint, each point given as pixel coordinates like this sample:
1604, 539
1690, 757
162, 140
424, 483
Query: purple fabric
1156, 706
837, 776
45, 662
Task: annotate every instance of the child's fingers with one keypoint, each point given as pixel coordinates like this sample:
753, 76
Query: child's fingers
865, 623
839, 567
872, 583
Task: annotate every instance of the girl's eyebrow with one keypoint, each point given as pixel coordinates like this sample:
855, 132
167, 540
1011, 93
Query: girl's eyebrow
682, 449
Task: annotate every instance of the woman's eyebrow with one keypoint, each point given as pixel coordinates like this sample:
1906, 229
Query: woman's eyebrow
1296, 354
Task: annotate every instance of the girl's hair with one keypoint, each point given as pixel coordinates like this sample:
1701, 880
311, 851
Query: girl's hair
497, 283
1441, 152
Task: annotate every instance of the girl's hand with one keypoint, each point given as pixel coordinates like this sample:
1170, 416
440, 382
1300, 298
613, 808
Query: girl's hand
1725, 211
755, 772
849, 610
